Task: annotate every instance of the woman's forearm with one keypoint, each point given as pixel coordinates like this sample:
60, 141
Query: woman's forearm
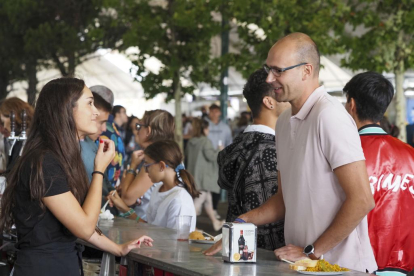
93, 200
139, 186
126, 181
105, 244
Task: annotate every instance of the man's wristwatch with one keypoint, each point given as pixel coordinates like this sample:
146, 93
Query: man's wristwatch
309, 251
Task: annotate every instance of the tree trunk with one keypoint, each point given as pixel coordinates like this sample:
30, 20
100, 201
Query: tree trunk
178, 120
59, 65
32, 80
3, 88
176, 80
71, 64
400, 105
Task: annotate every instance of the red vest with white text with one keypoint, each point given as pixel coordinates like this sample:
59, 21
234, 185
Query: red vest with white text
390, 165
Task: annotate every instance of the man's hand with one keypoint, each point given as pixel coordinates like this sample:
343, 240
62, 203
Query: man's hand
214, 249
290, 252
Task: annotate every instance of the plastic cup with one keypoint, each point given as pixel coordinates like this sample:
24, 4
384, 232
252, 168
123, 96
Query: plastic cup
183, 227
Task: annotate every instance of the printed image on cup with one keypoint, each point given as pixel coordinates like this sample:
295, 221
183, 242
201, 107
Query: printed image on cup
183, 227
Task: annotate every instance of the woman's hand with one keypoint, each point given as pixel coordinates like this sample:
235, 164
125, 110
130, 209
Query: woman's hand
136, 158
128, 246
115, 200
105, 154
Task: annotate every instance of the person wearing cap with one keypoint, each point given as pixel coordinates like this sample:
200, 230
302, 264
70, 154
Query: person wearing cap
89, 147
112, 133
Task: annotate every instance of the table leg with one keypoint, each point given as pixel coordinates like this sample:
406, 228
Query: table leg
107, 265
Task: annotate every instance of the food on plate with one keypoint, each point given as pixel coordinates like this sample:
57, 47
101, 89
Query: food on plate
316, 266
297, 267
307, 262
303, 264
325, 266
196, 236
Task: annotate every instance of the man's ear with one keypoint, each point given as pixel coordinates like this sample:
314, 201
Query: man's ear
307, 71
269, 102
352, 105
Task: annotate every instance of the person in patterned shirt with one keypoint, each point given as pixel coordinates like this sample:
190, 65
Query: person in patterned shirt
247, 167
112, 133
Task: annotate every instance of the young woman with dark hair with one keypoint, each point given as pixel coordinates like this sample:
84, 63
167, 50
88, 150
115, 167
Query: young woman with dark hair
47, 195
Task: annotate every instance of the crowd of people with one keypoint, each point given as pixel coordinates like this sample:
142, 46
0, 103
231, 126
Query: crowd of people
320, 180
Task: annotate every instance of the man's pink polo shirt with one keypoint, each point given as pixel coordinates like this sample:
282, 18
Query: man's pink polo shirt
322, 136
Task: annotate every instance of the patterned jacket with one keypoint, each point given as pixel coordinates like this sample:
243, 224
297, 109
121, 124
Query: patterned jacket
247, 170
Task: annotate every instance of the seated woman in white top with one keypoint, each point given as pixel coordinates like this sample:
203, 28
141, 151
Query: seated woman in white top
174, 197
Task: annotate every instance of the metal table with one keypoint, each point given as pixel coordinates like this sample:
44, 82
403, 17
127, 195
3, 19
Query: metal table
183, 258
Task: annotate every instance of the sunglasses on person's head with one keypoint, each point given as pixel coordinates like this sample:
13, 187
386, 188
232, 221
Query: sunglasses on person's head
138, 126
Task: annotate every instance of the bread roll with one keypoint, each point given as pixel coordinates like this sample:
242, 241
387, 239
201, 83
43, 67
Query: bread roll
196, 236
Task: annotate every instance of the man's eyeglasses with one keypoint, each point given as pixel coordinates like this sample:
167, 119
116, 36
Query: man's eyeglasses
278, 71
139, 126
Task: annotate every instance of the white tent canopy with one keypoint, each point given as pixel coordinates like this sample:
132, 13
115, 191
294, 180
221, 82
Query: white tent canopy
108, 69
112, 69
332, 76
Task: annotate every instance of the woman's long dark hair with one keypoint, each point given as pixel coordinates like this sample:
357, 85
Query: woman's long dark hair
169, 152
53, 130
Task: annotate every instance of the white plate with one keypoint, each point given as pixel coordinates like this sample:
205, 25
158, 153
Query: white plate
322, 273
205, 242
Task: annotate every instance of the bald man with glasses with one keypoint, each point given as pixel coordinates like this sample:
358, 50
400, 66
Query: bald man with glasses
324, 193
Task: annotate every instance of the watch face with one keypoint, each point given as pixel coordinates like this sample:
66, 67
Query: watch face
308, 249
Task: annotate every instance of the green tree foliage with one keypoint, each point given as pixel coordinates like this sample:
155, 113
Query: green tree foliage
10, 55
384, 44
178, 33
261, 23
60, 34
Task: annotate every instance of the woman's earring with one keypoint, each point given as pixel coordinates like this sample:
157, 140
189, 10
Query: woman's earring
271, 107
